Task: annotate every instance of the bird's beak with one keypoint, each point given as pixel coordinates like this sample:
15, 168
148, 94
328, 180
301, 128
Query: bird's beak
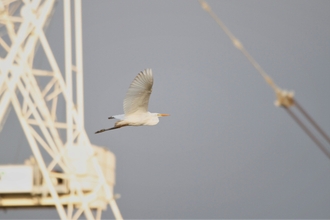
163, 115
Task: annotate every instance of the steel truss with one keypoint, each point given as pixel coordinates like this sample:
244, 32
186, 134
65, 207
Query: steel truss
64, 140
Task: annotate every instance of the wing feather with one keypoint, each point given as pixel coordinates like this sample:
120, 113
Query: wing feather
138, 94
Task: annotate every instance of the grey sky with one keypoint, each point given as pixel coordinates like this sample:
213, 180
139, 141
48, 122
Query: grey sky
226, 151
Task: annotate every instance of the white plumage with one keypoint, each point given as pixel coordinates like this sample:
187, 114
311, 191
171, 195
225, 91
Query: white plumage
136, 104
138, 94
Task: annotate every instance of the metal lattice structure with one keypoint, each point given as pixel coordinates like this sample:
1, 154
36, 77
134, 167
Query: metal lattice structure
86, 170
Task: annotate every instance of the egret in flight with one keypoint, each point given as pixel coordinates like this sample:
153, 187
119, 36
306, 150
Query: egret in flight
136, 104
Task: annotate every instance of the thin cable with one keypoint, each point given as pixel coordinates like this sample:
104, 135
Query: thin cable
283, 98
308, 132
310, 119
240, 46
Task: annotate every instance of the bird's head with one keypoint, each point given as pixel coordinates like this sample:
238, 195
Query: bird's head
162, 115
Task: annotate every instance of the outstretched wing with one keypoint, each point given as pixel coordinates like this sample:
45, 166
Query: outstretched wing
138, 94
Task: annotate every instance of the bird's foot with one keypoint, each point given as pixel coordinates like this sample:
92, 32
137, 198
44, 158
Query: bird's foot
100, 131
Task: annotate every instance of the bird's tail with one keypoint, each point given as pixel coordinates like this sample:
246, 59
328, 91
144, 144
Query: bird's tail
119, 117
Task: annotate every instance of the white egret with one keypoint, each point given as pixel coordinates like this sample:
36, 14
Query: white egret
136, 104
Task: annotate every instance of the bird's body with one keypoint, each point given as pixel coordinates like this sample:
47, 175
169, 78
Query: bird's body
136, 104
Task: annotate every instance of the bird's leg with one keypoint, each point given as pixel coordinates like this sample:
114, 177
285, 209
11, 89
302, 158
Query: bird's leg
118, 124
111, 117
107, 129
